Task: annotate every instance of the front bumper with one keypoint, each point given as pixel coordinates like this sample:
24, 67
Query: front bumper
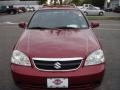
83, 78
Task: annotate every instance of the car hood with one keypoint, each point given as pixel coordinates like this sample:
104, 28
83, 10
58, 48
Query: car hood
57, 43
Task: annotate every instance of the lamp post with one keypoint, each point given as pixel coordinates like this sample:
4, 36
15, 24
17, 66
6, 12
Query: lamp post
108, 3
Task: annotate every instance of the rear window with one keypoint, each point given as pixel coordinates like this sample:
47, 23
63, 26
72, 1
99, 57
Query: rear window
58, 19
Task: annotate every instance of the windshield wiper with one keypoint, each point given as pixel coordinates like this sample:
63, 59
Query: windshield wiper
65, 27
61, 27
39, 28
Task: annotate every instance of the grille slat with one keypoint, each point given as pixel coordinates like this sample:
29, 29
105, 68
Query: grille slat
57, 65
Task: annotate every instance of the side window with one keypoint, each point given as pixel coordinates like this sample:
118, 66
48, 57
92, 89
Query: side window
0, 8
94, 8
91, 5
91, 8
86, 5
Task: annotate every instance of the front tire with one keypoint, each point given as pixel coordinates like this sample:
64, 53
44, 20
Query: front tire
13, 12
101, 13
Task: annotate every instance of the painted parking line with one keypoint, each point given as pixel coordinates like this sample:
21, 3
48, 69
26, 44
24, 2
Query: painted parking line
110, 24
7, 23
109, 29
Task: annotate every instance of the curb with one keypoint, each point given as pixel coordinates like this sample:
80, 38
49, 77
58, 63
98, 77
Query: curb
103, 18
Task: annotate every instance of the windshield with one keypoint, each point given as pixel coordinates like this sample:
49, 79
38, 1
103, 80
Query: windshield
62, 19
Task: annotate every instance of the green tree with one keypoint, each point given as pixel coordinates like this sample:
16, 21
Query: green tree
76, 2
99, 3
87, 2
42, 1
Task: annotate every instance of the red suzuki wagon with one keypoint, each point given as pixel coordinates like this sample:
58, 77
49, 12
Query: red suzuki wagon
58, 50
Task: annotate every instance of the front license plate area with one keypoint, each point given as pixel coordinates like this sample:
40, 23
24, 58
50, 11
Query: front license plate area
57, 82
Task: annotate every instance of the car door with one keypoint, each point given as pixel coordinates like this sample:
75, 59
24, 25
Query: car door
92, 11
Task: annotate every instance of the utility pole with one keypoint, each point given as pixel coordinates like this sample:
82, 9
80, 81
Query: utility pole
61, 2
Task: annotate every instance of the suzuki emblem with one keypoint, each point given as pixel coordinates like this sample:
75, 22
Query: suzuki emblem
57, 65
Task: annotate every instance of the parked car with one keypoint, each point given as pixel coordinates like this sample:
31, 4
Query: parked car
58, 49
22, 9
88, 6
30, 9
8, 9
117, 9
108, 9
93, 11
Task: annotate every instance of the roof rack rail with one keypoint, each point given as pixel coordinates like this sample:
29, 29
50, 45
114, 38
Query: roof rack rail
63, 5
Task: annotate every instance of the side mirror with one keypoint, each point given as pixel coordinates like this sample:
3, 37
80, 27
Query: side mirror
94, 24
22, 25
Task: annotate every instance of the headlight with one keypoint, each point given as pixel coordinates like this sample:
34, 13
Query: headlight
97, 57
20, 58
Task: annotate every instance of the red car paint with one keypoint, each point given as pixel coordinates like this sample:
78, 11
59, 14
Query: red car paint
58, 44
80, 43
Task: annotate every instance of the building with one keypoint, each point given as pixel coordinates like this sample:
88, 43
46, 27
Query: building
112, 4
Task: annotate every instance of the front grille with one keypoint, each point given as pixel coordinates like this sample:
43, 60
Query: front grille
57, 64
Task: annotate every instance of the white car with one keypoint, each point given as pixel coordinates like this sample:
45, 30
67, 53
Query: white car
92, 11
30, 9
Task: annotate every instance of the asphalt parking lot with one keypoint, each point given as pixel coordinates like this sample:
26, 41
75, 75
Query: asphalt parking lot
108, 33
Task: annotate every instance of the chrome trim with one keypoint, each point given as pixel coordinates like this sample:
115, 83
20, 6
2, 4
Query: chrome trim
57, 60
